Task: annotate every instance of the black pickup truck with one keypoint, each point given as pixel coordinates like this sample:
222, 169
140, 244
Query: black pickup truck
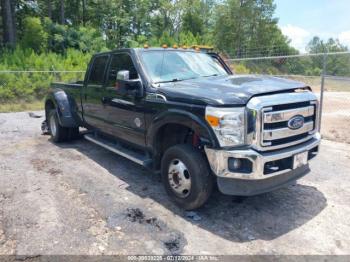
183, 113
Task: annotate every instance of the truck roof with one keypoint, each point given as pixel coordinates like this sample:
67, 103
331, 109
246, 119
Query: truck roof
137, 49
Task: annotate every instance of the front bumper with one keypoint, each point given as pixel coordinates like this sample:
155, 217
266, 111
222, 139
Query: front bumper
258, 180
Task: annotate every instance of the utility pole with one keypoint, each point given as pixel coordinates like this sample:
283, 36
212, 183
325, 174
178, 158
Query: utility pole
324, 73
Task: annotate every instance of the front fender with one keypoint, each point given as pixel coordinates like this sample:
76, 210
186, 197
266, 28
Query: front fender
185, 118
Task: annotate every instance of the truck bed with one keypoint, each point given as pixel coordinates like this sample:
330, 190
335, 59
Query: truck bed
73, 91
60, 85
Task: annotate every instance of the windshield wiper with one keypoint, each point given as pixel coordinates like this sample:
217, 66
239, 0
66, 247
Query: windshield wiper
169, 81
174, 80
211, 75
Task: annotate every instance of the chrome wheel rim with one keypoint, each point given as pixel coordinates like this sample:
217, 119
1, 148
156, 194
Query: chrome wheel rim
179, 178
53, 127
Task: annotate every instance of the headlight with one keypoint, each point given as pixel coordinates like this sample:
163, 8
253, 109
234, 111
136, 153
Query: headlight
228, 124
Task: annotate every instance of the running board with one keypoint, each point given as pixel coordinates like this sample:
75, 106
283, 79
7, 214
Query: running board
120, 150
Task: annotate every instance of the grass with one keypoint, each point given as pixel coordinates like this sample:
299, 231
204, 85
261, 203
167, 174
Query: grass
21, 106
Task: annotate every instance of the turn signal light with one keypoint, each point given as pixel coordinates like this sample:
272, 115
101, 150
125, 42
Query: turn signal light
212, 120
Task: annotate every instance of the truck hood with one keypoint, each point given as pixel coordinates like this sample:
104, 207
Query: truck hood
226, 90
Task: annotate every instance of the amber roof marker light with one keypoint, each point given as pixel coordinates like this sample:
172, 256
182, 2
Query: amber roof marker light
175, 46
145, 46
165, 46
203, 48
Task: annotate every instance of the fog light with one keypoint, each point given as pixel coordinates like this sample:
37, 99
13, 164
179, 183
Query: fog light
240, 165
234, 163
237, 164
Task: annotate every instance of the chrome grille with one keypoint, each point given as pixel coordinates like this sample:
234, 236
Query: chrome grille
275, 130
285, 115
268, 118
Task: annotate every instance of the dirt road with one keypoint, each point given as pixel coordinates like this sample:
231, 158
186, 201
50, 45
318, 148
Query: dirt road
78, 198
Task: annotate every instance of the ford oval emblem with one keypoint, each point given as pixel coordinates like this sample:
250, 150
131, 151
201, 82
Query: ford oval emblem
296, 122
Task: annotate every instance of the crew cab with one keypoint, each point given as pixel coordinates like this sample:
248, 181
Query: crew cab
184, 114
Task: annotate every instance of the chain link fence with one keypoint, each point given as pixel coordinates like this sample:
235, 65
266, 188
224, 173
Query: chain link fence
328, 74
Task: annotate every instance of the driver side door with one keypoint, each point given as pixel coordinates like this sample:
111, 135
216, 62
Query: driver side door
125, 112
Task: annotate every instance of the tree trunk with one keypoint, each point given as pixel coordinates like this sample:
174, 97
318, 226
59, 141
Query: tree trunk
49, 9
84, 11
62, 12
8, 21
13, 13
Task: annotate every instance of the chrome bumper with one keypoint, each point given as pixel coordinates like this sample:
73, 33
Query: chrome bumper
218, 160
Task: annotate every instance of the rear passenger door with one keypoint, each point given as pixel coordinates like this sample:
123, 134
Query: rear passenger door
94, 92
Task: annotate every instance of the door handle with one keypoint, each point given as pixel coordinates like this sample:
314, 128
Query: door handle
122, 102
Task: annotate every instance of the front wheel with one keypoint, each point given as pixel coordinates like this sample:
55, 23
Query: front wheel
186, 176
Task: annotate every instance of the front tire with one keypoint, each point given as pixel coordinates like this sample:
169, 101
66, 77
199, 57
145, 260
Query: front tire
186, 176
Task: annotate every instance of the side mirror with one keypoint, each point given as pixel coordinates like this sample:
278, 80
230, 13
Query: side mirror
123, 75
132, 87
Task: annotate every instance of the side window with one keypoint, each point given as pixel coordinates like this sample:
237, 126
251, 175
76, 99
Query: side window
97, 70
121, 62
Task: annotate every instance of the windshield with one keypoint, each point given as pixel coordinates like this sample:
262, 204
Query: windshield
171, 66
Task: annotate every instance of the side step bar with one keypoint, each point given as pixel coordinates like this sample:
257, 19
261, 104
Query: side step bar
120, 150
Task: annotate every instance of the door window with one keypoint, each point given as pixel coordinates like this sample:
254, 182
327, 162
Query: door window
97, 70
121, 62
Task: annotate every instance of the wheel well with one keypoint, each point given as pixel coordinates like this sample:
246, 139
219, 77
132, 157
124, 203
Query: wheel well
49, 105
170, 135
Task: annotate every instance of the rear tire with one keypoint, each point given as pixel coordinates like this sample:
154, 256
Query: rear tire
186, 176
58, 133
73, 133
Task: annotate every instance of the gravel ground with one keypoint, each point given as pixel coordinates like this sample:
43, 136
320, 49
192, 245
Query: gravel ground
336, 116
77, 198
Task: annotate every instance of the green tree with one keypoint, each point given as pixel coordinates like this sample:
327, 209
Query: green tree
248, 27
336, 64
33, 35
62, 37
192, 21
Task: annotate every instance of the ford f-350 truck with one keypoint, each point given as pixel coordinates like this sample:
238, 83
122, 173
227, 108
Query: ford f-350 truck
183, 113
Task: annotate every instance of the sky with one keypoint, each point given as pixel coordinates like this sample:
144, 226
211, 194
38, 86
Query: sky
300, 20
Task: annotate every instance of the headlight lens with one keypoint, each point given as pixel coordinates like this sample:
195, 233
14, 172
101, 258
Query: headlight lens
228, 124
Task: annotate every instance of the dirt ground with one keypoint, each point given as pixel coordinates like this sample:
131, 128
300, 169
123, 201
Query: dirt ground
77, 198
336, 116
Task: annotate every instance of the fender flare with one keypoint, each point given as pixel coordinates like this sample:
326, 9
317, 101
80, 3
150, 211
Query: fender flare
185, 118
65, 108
